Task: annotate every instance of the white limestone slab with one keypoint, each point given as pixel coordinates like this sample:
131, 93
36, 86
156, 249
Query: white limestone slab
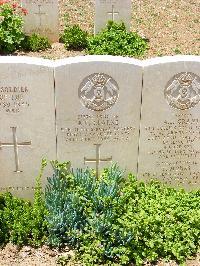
116, 10
98, 100
27, 118
170, 122
42, 18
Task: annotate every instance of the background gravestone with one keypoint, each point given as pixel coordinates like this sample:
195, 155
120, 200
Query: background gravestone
116, 10
42, 18
98, 111
27, 132
170, 124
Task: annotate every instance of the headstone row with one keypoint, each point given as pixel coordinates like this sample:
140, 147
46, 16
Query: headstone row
43, 16
95, 110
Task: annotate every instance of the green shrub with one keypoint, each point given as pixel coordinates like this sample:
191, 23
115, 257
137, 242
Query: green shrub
112, 220
35, 43
74, 38
17, 215
3, 226
158, 222
39, 212
22, 222
11, 26
65, 204
116, 220
116, 40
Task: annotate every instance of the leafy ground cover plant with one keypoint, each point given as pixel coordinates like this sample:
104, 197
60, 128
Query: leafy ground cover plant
116, 40
11, 26
22, 222
112, 220
116, 220
158, 222
74, 38
39, 212
35, 43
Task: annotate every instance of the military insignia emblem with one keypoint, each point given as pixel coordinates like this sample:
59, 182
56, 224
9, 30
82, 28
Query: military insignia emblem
183, 91
98, 92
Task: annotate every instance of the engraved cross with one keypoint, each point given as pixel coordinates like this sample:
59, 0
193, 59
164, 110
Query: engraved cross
97, 160
40, 13
113, 13
15, 145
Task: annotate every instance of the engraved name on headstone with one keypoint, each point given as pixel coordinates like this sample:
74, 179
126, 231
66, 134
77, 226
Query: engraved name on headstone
42, 18
115, 10
170, 123
27, 132
14, 99
97, 124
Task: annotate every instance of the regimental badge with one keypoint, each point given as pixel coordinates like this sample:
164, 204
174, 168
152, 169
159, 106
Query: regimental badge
183, 91
98, 92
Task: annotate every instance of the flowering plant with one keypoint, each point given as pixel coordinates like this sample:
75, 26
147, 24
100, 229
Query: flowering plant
11, 25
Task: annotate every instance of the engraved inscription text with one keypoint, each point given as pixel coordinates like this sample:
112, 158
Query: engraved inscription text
179, 153
13, 99
99, 128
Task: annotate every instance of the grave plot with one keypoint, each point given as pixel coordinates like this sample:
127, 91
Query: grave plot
42, 18
115, 10
27, 132
170, 122
98, 101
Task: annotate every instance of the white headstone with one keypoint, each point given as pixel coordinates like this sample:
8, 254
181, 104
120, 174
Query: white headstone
116, 10
170, 124
27, 132
42, 18
98, 100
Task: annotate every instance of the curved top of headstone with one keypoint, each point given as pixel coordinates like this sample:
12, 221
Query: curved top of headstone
97, 58
171, 59
26, 60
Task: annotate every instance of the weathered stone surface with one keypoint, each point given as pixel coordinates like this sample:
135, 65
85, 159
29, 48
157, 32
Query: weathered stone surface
170, 122
27, 117
42, 18
116, 10
98, 101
